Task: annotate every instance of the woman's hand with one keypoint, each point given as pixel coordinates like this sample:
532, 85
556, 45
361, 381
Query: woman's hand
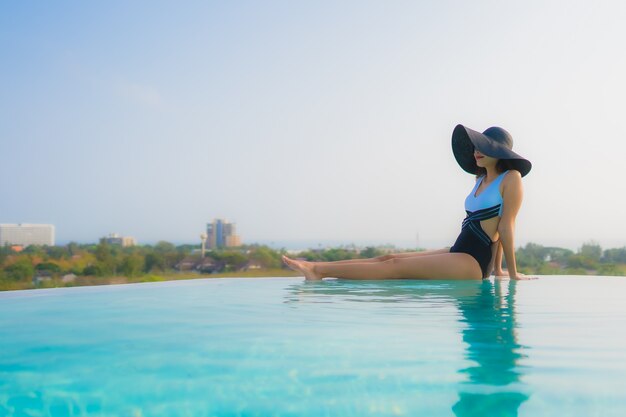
518, 277
521, 277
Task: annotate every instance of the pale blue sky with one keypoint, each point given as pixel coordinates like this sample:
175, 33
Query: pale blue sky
317, 122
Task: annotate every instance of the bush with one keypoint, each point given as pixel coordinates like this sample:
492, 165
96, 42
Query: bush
547, 269
610, 269
582, 262
48, 266
575, 271
21, 270
94, 270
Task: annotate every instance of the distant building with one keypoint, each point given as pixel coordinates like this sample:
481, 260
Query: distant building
252, 265
221, 234
26, 234
41, 277
202, 265
123, 241
67, 278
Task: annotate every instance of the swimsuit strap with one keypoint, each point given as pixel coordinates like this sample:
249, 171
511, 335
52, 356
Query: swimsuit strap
474, 218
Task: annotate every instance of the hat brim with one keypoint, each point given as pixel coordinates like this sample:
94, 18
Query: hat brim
465, 140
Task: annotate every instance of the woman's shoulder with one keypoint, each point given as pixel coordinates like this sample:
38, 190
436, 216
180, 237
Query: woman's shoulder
512, 180
512, 176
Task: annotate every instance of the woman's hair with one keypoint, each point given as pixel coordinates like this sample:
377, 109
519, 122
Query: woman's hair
501, 166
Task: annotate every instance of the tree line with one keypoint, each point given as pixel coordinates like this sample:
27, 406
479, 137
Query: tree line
36, 264
589, 259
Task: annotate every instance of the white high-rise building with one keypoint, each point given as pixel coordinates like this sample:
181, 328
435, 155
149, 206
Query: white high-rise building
26, 234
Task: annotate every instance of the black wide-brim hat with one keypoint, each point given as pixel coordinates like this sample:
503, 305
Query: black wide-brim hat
494, 142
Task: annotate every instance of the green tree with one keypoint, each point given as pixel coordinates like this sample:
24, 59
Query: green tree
531, 256
21, 270
337, 254
164, 247
310, 255
93, 270
72, 248
234, 260
4, 253
588, 257
34, 250
617, 255
371, 252
48, 266
56, 252
579, 261
172, 258
132, 265
266, 257
559, 255
106, 260
592, 251
155, 261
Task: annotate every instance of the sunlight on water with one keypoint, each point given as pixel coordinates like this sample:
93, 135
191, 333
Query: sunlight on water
284, 347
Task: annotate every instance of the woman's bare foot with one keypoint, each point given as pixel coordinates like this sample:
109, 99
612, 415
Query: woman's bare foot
302, 266
500, 273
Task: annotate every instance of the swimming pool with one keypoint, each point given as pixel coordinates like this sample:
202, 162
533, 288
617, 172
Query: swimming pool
285, 347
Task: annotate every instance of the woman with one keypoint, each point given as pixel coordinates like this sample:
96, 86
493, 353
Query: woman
486, 233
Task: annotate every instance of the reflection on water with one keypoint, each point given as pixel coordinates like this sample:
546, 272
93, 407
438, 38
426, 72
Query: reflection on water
494, 379
487, 312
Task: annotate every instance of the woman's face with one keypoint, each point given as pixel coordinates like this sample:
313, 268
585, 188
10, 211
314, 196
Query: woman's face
483, 160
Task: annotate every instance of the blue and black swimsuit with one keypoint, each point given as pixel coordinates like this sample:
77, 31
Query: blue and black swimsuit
473, 240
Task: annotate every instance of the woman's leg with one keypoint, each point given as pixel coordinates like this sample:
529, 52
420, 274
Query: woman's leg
388, 257
436, 266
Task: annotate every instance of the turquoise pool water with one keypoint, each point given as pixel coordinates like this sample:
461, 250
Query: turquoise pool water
284, 347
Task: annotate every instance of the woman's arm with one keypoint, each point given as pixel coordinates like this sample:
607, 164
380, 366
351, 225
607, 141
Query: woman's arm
512, 195
497, 266
498, 272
